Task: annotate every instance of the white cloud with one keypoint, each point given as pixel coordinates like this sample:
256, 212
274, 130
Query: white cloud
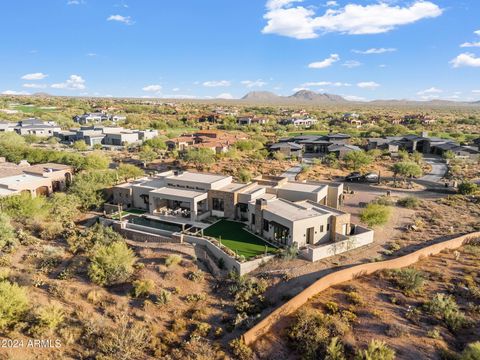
331, 3
127, 20
333, 58
382, 65
34, 76
91, 54
325, 83
300, 22
477, 32
175, 89
476, 91
74, 82
432, 90
374, 51
470, 44
297, 89
225, 96
217, 83
76, 2
429, 97
466, 59
352, 64
153, 88
253, 83
13, 92
370, 85
34, 86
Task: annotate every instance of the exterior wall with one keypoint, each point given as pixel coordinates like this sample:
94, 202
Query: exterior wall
229, 202
337, 226
122, 195
344, 275
300, 230
293, 195
334, 195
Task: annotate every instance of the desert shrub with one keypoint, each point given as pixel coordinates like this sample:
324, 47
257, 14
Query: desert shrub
4, 274
467, 188
51, 316
90, 239
312, 330
409, 280
112, 264
375, 214
384, 200
13, 304
125, 340
248, 294
471, 352
376, 350
142, 288
240, 350
179, 325
434, 334
244, 175
332, 307
193, 298
445, 308
202, 329
173, 260
290, 252
409, 202
163, 297
335, 350
354, 297
396, 330
196, 276
7, 233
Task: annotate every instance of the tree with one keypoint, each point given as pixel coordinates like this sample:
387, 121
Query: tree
157, 143
63, 207
80, 145
112, 264
7, 232
96, 160
147, 155
406, 169
13, 304
355, 160
244, 175
375, 214
129, 171
88, 188
467, 188
201, 156
89, 240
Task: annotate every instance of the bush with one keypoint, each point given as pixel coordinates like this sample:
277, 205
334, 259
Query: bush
172, 260
409, 280
13, 304
335, 350
142, 288
471, 352
202, 329
196, 276
467, 188
163, 297
377, 350
92, 238
7, 233
51, 316
312, 330
112, 264
240, 350
375, 214
445, 308
409, 202
244, 175
406, 169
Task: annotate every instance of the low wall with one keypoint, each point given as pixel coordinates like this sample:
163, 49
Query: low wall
142, 236
315, 253
230, 263
344, 275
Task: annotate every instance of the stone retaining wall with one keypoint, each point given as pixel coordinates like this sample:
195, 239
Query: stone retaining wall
344, 275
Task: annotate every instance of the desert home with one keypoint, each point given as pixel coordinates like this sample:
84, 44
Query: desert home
41, 179
217, 141
282, 212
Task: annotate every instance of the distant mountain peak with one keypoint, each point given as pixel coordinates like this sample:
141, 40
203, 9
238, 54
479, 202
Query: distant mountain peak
260, 95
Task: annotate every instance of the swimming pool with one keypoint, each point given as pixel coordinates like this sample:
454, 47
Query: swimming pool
153, 223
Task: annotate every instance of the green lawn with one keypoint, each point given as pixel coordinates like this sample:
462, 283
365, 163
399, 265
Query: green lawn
129, 211
234, 236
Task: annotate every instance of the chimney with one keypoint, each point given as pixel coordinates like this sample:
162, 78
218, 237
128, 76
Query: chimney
260, 205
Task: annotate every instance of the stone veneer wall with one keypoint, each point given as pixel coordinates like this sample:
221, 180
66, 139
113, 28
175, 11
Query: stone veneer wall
344, 275
229, 201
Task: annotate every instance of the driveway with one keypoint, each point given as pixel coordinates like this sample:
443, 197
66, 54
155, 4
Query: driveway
439, 169
292, 173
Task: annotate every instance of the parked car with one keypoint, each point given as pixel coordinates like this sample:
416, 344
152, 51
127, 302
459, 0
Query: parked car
371, 177
354, 177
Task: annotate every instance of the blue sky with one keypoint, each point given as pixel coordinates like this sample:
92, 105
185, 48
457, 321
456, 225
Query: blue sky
361, 49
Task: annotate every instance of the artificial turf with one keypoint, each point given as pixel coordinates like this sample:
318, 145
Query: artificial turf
233, 235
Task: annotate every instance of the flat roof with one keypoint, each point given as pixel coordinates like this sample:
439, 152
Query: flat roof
198, 177
20, 179
178, 192
303, 187
233, 187
293, 211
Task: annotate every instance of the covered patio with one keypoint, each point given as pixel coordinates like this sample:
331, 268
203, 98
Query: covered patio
179, 202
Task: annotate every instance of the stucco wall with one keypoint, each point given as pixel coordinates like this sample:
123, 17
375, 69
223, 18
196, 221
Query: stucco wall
344, 275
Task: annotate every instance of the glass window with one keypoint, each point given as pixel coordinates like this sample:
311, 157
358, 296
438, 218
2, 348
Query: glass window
218, 204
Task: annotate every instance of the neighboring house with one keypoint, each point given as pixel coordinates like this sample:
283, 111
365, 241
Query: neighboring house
251, 120
352, 118
216, 140
41, 179
120, 137
317, 145
36, 127
340, 150
7, 126
305, 122
281, 211
424, 144
97, 117
289, 149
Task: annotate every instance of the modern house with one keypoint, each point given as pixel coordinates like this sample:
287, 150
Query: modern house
288, 149
424, 144
41, 179
281, 211
317, 146
251, 120
96, 117
217, 141
304, 122
31, 126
